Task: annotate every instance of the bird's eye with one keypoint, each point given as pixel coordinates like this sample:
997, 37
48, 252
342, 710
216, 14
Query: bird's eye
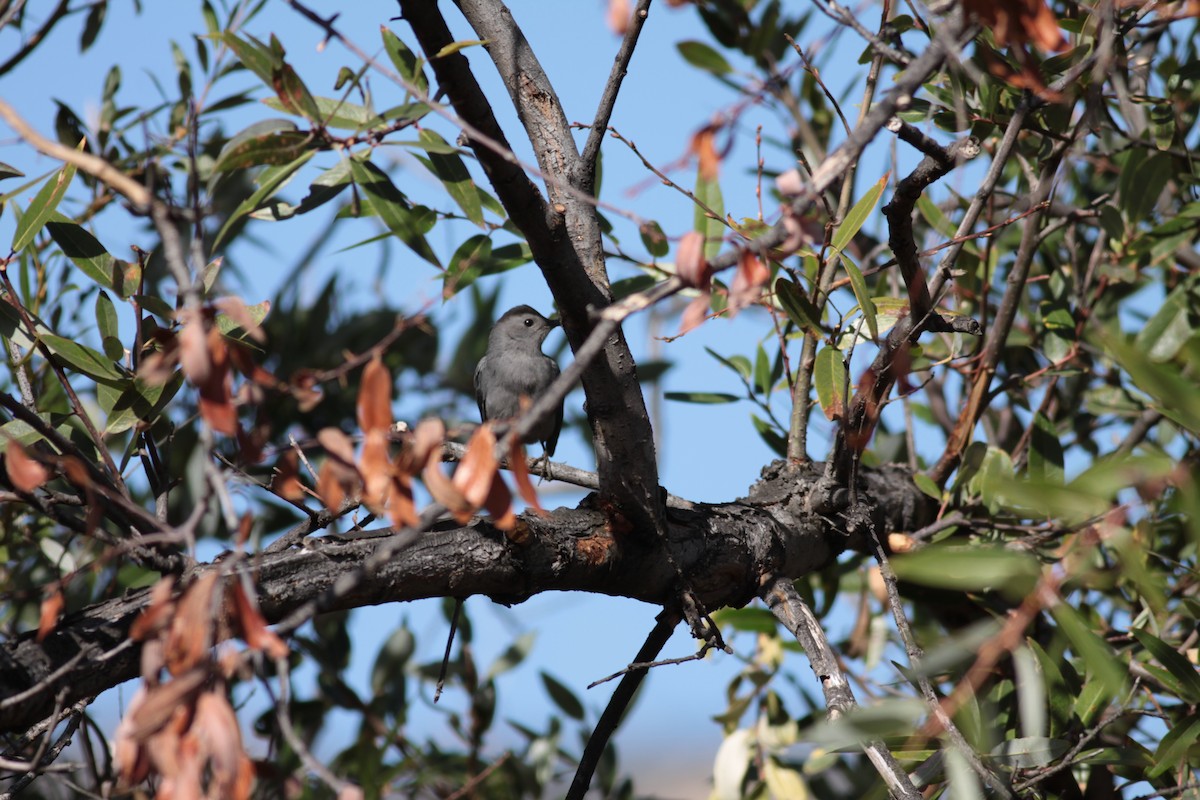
529, 322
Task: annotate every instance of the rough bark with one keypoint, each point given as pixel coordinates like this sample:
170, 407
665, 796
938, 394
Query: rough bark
786, 526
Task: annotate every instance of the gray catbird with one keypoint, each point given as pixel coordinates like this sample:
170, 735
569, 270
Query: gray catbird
515, 367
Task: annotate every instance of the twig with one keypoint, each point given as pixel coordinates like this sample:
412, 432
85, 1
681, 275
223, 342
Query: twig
441, 681
790, 609
666, 662
591, 148
622, 696
470, 786
338, 785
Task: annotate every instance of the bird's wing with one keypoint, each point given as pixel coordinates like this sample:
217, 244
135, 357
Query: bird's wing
552, 442
479, 389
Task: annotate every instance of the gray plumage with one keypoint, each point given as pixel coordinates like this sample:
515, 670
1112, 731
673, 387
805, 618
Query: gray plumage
515, 367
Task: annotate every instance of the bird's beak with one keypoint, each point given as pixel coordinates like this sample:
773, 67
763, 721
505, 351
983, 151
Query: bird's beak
555, 323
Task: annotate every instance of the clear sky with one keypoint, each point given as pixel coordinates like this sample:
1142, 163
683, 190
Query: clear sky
707, 453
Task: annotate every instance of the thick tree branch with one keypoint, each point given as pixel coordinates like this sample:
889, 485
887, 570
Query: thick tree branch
724, 549
564, 237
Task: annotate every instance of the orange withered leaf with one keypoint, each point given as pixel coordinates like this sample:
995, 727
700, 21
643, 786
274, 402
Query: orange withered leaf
193, 347
1019, 22
618, 16
402, 510
690, 264
520, 471
376, 469
24, 472
752, 275
474, 474
252, 627
286, 481
161, 703
51, 610
703, 144
157, 612
375, 397
216, 730
190, 636
499, 504
445, 492
338, 477
695, 313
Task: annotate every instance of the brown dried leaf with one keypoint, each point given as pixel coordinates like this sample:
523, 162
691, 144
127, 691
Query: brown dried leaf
304, 388
132, 761
193, 347
427, 441
375, 397
690, 264
703, 144
444, 491
499, 504
24, 472
51, 610
162, 702
401, 508
478, 466
252, 627
520, 471
157, 613
243, 361
337, 444
1019, 21
376, 469
789, 184
219, 736
752, 275
618, 16
695, 313
76, 472
190, 636
286, 482
336, 482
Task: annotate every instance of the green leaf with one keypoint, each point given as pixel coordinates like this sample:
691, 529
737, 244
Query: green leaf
857, 216
513, 655
1142, 180
927, 486
829, 376
710, 398
1176, 394
699, 54
654, 240
739, 364
1171, 326
138, 401
81, 358
336, 113
1177, 664
1093, 651
455, 47
709, 193
405, 61
274, 141
392, 207
254, 55
762, 372
1045, 451
563, 697
42, 207
1173, 748
86, 252
106, 321
1030, 752
975, 567
1031, 693
471, 260
859, 285
452, 172
228, 326
798, 307
270, 181
9, 171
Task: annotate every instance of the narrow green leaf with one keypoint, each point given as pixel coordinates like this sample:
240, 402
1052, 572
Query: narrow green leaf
563, 697
470, 261
739, 364
405, 61
857, 216
1142, 180
798, 307
701, 55
970, 568
449, 168
762, 372
106, 321
392, 207
512, 656
253, 54
829, 376
927, 486
702, 397
9, 171
859, 284
454, 47
336, 113
1046, 451
81, 358
1173, 748
1183, 670
1171, 326
1030, 752
270, 181
137, 401
42, 207
276, 142
1093, 651
709, 193
86, 252
654, 240
1031, 693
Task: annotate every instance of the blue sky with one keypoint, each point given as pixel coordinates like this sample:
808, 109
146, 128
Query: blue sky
707, 453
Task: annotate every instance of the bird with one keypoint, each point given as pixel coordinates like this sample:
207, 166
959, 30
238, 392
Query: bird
514, 367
